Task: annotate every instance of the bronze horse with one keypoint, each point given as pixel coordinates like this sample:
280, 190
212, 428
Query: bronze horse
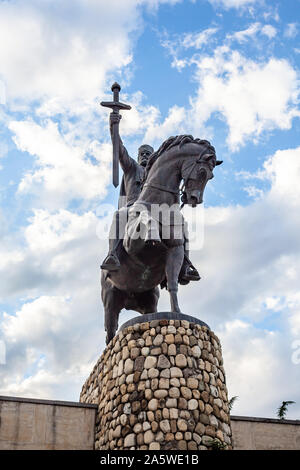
152, 257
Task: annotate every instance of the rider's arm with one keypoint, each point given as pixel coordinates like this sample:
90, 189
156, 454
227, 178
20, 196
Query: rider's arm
125, 160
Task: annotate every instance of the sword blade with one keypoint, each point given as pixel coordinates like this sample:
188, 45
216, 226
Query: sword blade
115, 105
115, 166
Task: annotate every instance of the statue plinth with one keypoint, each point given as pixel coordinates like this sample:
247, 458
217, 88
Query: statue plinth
160, 384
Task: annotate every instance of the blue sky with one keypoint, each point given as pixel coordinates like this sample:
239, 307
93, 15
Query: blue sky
223, 70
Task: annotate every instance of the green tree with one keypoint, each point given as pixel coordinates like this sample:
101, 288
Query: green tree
231, 402
282, 410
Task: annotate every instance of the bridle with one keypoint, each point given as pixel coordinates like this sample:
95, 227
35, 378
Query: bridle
179, 192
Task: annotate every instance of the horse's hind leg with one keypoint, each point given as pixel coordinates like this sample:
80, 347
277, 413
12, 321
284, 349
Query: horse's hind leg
113, 301
174, 261
111, 323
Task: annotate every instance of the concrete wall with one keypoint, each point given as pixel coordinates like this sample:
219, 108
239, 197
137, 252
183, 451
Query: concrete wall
265, 434
46, 425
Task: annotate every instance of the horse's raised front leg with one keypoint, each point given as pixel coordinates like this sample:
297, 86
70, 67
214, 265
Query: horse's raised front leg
174, 261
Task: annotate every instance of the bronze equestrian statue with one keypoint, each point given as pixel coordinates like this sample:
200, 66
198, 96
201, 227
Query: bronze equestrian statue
148, 237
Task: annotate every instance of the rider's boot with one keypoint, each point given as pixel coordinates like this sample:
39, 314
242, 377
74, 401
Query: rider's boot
111, 262
188, 272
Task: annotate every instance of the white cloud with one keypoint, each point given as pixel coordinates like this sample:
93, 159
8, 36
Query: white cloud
291, 30
47, 55
251, 97
244, 35
228, 84
250, 32
63, 170
57, 333
269, 30
197, 40
46, 315
174, 123
54, 49
2, 93
284, 171
51, 254
259, 369
233, 3
51, 346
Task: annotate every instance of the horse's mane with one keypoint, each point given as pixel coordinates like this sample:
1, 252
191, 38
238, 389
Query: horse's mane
172, 142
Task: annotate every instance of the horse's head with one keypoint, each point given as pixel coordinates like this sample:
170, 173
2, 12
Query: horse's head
196, 172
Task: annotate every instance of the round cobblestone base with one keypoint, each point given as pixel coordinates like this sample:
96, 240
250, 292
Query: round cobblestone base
160, 384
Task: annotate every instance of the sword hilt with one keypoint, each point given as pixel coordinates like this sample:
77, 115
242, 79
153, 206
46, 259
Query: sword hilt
115, 105
115, 88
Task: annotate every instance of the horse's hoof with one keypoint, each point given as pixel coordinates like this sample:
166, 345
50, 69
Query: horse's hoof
108, 339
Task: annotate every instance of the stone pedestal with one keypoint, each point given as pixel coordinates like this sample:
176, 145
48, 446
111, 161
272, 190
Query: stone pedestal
160, 384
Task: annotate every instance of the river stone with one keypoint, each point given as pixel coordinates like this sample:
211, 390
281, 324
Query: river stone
153, 404
192, 383
196, 351
158, 340
137, 428
128, 366
181, 424
192, 404
146, 425
159, 437
173, 413
139, 363
213, 421
171, 403
169, 339
218, 402
200, 428
154, 446
172, 350
130, 440
180, 360
163, 362
127, 408
150, 362
171, 329
165, 373
164, 383
148, 437
214, 391
186, 392
174, 392
208, 409
161, 394
153, 373
176, 372
165, 426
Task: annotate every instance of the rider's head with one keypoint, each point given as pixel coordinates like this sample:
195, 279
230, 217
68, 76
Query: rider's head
144, 153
